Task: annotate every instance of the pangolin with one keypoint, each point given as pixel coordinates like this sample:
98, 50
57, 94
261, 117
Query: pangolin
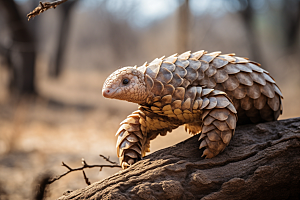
209, 93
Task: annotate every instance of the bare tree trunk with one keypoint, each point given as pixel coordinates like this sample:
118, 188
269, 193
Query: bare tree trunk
62, 42
261, 162
247, 17
21, 54
291, 20
183, 27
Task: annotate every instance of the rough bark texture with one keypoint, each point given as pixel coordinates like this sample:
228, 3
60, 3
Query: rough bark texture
261, 162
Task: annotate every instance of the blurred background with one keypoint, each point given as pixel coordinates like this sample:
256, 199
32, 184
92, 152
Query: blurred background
52, 69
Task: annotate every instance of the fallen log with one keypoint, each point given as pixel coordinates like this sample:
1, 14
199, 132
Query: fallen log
261, 162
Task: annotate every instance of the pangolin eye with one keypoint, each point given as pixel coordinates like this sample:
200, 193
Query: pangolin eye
125, 81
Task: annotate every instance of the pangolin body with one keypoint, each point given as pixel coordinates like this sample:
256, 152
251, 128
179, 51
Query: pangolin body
209, 93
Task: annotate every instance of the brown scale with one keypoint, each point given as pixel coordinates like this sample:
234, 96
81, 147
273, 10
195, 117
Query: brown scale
206, 92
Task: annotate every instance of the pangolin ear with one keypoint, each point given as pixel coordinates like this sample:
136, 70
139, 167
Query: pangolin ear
149, 82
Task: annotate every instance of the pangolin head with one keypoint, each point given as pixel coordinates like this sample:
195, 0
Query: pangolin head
126, 84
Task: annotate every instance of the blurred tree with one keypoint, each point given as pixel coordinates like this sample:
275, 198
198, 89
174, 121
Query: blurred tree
120, 34
291, 23
21, 53
183, 26
64, 30
247, 14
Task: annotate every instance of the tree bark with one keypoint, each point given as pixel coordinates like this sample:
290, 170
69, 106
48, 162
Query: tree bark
261, 162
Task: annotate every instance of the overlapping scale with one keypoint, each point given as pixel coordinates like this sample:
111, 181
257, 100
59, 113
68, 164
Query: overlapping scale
172, 58
260, 102
277, 90
222, 126
176, 80
149, 82
152, 70
168, 65
268, 90
254, 67
266, 113
194, 64
185, 83
243, 67
258, 78
219, 62
212, 70
206, 91
182, 63
244, 78
210, 56
231, 83
191, 93
185, 55
211, 83
213, 136
192, 74
231, 69
268, 78
212, 103
274, 103
168, 90
180, 71
220, 114
220, 87
158, 87
246, 103
164, 75
254, 91
186, 104
241, 60
240, 92
221, 76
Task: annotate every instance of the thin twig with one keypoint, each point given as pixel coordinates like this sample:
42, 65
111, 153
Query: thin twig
86, 178
43, 7
84, 166
107, 159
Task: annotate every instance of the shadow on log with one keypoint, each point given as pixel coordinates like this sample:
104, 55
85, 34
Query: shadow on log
261, 162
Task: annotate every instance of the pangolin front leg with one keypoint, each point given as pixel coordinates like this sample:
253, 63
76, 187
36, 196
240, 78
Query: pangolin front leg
131, 140
218, 121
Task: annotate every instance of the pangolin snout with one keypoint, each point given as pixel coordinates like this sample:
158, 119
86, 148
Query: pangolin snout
106, 92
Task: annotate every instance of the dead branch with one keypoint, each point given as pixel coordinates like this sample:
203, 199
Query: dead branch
84, 166
107, 159
43, 7
86, 178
